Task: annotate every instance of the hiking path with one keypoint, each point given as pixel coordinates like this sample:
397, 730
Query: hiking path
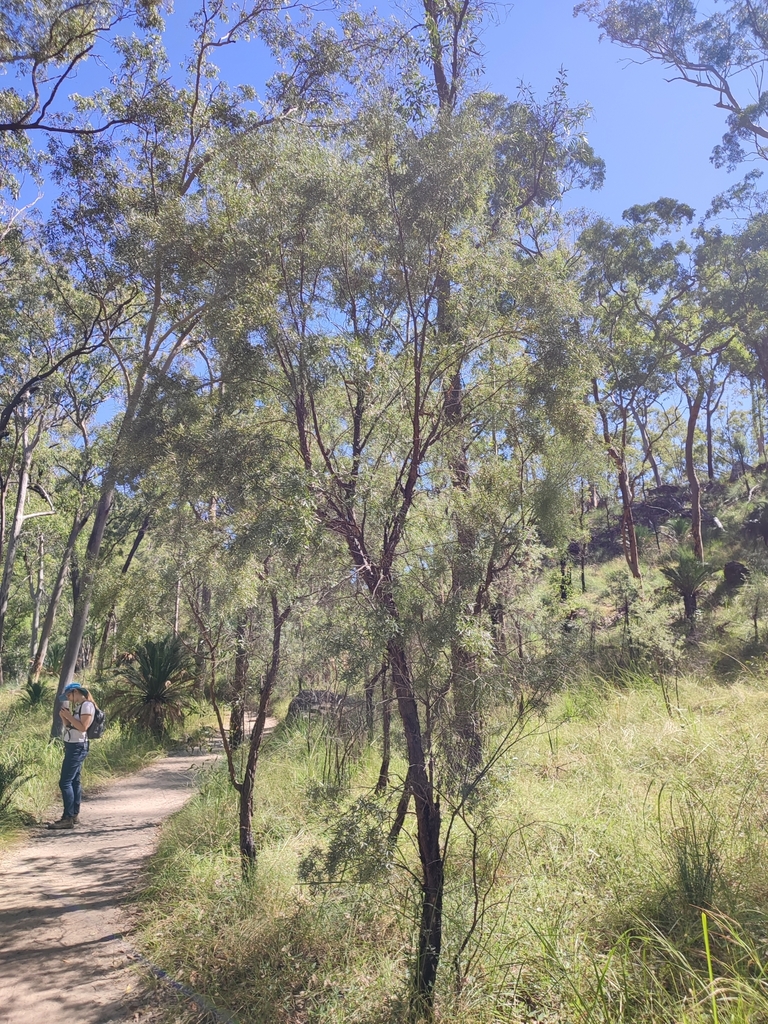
65, 953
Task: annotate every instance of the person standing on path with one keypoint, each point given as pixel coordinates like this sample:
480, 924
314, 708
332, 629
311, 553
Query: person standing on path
76, 719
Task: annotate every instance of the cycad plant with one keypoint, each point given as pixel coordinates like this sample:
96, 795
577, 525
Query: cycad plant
154, 690
687, 577
35, 695
679, 529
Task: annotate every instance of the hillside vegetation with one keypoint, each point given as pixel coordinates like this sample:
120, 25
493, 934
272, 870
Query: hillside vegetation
317, 388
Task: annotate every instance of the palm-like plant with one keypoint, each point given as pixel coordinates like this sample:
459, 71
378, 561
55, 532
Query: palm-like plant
35, 695
687, 577
154, 689
679, 529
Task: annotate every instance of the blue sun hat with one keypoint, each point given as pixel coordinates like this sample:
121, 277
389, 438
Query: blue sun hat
71, 687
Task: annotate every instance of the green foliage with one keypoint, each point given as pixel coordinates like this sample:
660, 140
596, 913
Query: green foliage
711, 50
692, 841
15, 770
687, 577
357, 849
35, 695
562, 865
154, 691
679, 528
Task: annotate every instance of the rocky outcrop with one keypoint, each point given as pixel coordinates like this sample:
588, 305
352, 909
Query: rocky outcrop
326, 703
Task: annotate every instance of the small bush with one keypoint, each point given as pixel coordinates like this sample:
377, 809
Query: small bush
15, 770
35, 695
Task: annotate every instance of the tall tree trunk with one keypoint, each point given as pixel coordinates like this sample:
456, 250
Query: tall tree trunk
628, 534
83, 603
3, 512
15, 535
428, 822
36, 585
93, 549
110, 623
370, 690
710, 446
386, 733
650, 458
240, 685
757, 419
694, 408
463, 681
247, 844
108, 631
58, 588
205, 610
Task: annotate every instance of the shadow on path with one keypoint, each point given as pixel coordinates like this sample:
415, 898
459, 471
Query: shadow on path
61, 958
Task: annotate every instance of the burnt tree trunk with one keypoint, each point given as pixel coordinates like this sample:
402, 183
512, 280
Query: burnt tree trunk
386, 734
427, 806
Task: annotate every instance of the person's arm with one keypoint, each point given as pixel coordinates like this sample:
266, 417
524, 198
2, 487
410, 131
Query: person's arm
79, 724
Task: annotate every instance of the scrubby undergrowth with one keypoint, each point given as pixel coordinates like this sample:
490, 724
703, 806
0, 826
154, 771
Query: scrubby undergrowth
599, 840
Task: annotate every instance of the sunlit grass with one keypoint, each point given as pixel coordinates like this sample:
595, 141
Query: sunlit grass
26, 735
601, 835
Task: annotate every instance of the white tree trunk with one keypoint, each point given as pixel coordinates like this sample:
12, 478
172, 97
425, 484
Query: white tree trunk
15, 534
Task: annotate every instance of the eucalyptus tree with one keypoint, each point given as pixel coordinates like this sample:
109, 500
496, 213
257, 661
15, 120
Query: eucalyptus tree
665, 287
393, 248
39, 322
635, 369
43, 46
359, 240
138, 222
735, 266
721, 50
540, 152
240, 528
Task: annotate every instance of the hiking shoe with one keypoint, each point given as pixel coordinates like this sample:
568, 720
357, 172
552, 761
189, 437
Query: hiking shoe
62, 823
75, 818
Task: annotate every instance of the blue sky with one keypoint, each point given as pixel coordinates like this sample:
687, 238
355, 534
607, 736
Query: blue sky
656, 137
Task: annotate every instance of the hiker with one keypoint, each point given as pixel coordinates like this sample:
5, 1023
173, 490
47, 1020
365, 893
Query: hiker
76, 713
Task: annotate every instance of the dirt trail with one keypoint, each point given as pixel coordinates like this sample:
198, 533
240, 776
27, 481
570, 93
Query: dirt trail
62, 958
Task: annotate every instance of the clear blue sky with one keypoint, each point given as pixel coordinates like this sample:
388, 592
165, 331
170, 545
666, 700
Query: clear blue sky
655, 137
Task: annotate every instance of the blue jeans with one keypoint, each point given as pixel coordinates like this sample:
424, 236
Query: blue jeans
69, 781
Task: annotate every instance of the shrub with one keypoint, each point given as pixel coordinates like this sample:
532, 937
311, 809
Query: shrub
14, 772
687, 578
154, 689
35, 695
